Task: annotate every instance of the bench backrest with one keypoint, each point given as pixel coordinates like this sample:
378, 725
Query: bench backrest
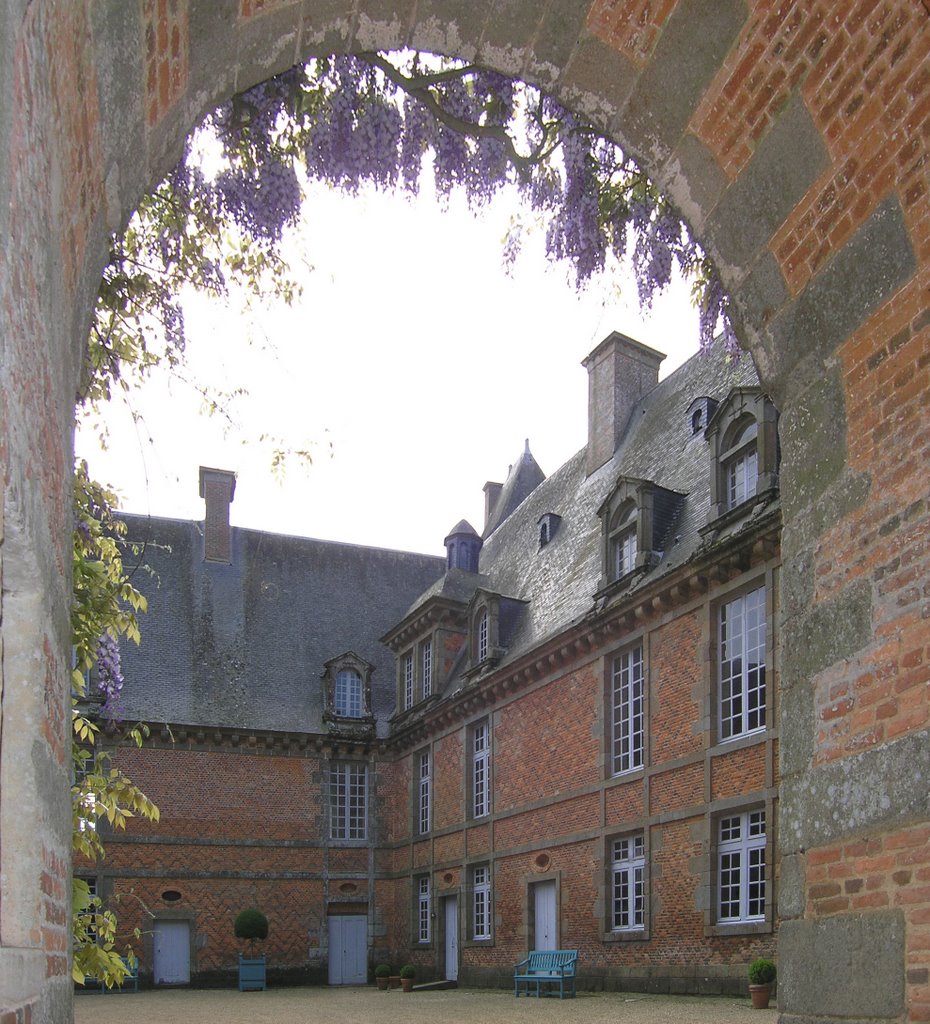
547, 959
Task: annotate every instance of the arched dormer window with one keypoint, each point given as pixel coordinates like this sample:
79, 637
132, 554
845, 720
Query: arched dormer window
636, 517
623, 542
743, 440
347, 694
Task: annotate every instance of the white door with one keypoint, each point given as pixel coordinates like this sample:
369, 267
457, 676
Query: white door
544, 931
348, 949
451, 922
172, 949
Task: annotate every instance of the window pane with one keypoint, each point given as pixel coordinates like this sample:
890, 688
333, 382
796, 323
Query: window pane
628, 721
741, 649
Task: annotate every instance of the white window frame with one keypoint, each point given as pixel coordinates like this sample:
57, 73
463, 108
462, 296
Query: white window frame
407, 679
424, 782
426, 668
348, 801
480, 769
625, 552
628, 884
481, 903
483, 630
741, 466
424, 910
741, 868
349, 699
628, 727
741, 636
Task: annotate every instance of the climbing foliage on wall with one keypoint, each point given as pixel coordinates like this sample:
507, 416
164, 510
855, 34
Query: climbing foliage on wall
104, 609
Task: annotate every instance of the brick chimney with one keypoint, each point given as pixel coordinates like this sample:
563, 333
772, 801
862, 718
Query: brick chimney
621, 372
217, 487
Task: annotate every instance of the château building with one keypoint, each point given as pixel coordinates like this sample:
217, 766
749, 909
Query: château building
563, 734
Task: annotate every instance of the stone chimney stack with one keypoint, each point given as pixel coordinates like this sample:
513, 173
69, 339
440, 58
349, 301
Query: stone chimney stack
217, 487
492, 491
621, 372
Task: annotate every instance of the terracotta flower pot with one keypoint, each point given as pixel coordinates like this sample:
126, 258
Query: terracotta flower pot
407, 984
759, 994
382, 984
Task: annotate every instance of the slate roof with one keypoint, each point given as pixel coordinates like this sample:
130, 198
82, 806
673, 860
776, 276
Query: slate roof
244, 644
558, 581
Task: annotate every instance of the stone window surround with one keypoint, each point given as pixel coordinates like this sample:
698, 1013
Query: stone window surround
728, 420
725, 809
348, 823
347, 662
423, 912
627, 863
631, 505
480, 904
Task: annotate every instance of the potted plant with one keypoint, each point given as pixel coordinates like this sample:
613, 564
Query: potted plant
251, 924
761, 976
407, 973
382, 973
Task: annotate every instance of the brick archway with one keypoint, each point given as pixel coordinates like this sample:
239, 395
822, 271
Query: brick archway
794, 138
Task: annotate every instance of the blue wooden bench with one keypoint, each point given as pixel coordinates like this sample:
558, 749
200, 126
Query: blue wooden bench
547, 967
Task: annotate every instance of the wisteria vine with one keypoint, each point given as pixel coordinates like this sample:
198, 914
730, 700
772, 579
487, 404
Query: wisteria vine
396, 121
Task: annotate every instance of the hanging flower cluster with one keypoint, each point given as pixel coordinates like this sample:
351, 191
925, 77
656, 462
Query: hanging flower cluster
402, 121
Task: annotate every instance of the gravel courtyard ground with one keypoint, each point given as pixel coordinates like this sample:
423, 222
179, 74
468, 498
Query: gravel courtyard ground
369, 1006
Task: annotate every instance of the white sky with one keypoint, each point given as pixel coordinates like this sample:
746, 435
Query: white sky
412, 364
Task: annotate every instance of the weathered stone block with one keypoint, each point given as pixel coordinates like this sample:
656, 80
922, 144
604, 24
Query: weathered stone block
850, 965
787, 161
689, 52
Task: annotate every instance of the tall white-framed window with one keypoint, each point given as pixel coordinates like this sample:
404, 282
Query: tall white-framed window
742, 664
426, 668
424, 909
480, 770
628, 897
741, 465
623, 543
628, 740
348, 800
481, 902
423, 792
482, 642
407, 679
349, 696
741, 868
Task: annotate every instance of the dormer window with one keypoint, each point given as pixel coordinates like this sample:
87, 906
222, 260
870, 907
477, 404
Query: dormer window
493, 621
347, 694
741, 463
548, 525
623, 541
743, 439
350, 697
637, 517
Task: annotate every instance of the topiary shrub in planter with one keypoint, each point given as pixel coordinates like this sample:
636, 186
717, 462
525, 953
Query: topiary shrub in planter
382, 974
407, 974
251, 924
761, 976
